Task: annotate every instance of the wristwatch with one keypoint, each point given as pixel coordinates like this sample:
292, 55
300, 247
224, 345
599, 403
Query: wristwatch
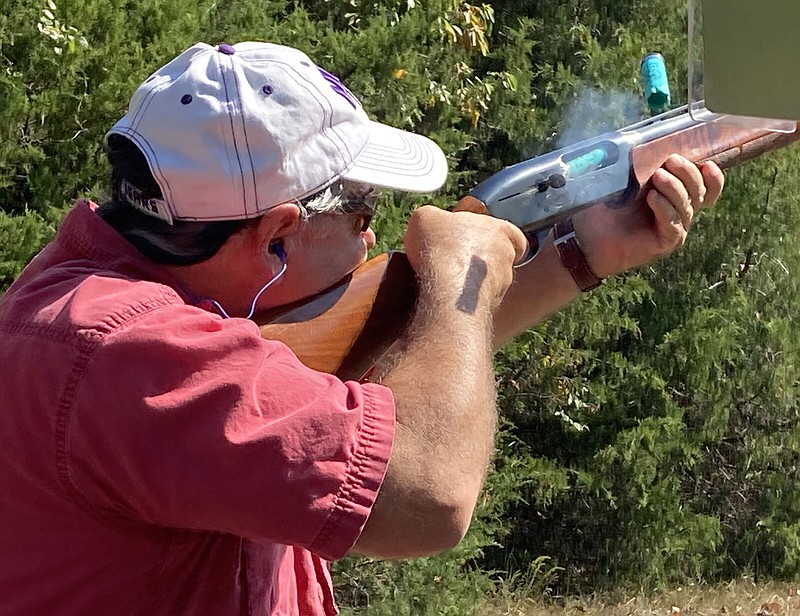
572, 257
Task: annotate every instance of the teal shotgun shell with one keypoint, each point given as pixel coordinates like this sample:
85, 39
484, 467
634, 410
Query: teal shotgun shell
591, 161
656, 85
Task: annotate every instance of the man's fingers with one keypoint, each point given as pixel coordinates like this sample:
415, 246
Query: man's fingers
690, 176
676, 196
518, 240
670, 225
714, 180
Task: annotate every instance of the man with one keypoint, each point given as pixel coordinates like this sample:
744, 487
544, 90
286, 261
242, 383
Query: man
158, 456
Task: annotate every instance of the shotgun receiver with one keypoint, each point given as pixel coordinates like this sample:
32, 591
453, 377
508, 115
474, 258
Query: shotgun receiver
345, 329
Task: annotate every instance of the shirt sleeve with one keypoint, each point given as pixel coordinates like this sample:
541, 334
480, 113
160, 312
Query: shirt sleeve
186, 420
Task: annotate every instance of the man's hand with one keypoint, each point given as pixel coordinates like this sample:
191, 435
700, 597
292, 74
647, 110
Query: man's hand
469, 254
615, 239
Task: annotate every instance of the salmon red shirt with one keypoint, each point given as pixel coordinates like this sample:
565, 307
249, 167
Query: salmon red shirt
156, 458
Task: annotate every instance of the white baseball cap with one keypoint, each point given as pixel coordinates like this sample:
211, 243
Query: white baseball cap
230, 131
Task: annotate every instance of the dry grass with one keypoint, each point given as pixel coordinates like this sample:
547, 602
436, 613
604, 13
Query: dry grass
742, 597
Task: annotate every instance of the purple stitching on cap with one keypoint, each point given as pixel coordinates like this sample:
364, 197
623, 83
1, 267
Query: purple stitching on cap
339, 87
186, 99
228, 50
266, 89
243, 173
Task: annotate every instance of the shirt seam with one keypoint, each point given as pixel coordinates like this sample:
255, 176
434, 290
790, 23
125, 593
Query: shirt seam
25, 328
355, 474
110, 515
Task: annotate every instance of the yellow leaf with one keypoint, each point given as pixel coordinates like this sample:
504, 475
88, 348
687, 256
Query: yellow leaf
399, 73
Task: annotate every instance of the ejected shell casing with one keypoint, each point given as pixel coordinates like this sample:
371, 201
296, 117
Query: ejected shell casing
656, 85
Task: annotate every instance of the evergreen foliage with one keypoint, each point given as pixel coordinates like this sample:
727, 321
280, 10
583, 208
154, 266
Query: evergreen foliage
650, 431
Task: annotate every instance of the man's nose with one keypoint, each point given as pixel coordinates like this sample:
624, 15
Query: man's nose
370, 238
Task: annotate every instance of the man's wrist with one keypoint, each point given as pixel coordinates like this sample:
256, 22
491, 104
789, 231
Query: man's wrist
572, 256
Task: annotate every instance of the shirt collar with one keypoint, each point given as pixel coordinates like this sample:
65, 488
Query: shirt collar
85, 233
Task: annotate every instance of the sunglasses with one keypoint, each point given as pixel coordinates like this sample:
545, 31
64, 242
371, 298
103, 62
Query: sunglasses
356, 202
363, 207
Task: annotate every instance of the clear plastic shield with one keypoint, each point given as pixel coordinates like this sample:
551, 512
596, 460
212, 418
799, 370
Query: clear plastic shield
737, 52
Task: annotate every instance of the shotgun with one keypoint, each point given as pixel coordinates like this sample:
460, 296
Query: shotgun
345, 329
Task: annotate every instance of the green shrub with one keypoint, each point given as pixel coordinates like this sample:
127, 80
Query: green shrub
649, 431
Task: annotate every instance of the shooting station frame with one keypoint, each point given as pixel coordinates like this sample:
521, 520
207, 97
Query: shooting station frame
742, 56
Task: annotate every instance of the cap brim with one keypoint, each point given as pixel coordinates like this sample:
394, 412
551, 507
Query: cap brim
399, 160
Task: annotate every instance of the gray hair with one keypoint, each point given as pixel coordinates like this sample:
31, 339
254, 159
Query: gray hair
342, 196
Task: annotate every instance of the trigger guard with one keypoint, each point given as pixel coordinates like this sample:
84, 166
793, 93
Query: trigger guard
535, 241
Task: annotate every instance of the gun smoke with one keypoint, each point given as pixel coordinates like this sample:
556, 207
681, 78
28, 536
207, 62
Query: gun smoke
595, 112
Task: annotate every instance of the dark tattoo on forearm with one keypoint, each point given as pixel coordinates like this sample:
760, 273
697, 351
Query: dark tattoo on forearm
473, 281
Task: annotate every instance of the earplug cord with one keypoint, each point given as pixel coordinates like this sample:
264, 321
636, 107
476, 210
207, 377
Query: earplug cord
282, 257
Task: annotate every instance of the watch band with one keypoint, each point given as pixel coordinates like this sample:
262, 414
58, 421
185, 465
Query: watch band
572, 257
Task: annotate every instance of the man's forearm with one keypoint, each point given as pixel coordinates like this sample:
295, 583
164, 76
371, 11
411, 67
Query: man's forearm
540, 288
443, 383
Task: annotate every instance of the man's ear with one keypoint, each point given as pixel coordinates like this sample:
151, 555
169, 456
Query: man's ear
279, 222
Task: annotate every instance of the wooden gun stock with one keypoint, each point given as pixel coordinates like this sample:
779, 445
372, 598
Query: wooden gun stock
344, 330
